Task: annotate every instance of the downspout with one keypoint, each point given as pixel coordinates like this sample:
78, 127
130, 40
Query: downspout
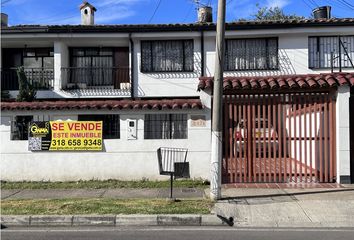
131, 67
202, 72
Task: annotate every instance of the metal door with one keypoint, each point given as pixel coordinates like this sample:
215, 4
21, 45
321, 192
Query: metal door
279, 138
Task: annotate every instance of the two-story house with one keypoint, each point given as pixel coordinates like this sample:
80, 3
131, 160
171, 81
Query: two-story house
286, 98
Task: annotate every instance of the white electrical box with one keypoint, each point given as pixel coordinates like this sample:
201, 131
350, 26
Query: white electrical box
131, 129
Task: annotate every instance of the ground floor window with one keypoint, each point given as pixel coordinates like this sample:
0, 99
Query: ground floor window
111, 124
19, 127
165, 126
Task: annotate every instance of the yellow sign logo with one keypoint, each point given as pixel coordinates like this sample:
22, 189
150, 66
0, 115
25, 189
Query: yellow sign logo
35, 130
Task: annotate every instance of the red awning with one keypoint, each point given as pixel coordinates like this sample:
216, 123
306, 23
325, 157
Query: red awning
160, 104
273, 83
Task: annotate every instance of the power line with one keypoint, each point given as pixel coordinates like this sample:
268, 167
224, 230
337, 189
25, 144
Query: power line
307, 4
341, 6
188, 12
314, 3
348, 4
157, 7
56, 17
5, 1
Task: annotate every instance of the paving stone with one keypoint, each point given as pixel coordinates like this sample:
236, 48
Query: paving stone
138, 220
179, 220
51, 220
8, 193
15, 220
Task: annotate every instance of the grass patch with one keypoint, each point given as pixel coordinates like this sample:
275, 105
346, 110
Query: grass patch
96, 184
104, 206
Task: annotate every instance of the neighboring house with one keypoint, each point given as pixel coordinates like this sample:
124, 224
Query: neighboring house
286, 116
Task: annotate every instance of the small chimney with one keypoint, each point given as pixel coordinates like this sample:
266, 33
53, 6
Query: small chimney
322, 12
87, 13
4, 20
205, 14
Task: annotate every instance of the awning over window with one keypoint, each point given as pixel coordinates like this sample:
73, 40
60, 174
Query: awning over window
159, 104
274, 83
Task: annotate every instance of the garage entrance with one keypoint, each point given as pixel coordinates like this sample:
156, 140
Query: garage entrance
279, 138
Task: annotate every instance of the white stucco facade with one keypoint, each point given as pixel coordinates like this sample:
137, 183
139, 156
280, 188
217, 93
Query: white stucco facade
343, 134
136, 159
120, 158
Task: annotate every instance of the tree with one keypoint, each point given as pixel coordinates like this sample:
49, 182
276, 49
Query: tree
270, 13
27, 93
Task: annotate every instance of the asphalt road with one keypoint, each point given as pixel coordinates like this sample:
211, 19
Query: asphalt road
174, 233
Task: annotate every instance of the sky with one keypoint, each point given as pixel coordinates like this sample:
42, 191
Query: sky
153, 11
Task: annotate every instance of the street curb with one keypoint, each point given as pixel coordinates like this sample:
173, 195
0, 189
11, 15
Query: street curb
111, 220
152, 220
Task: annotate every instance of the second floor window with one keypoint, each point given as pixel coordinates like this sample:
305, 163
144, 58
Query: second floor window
251, 54
325, 52
111, 124
38, 65
38, 58
167, 56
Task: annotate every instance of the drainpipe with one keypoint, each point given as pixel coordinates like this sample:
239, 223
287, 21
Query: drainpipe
131, 66
202, 72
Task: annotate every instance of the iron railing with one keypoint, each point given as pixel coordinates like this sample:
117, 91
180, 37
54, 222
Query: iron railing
106, 77
39, 78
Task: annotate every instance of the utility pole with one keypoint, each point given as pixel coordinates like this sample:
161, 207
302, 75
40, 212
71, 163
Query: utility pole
216, 134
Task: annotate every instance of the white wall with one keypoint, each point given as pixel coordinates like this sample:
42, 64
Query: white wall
120, 159
293, 57
343, 132
176, 84
292, 50
61, 59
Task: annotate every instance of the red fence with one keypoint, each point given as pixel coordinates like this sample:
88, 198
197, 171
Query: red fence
279, 138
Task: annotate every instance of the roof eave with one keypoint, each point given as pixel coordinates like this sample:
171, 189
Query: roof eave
167, 27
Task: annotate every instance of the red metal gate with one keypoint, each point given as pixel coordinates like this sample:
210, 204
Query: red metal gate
279, 138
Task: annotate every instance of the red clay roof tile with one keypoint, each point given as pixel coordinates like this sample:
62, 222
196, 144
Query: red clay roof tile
159, 104
310, 81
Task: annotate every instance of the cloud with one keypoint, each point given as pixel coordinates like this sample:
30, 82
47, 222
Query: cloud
277, 3
114, 10
240, 9
104, 3
114, 14
67, 11
245, 8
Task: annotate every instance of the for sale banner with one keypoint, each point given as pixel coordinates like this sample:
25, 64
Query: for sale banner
65, 136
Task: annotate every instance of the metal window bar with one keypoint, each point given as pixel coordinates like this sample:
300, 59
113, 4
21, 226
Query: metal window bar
167, 56
331, 52
19, 127
165, 126
251, 54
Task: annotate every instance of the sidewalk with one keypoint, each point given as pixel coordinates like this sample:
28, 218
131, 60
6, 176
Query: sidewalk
318, 207
240, 207
121, 193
